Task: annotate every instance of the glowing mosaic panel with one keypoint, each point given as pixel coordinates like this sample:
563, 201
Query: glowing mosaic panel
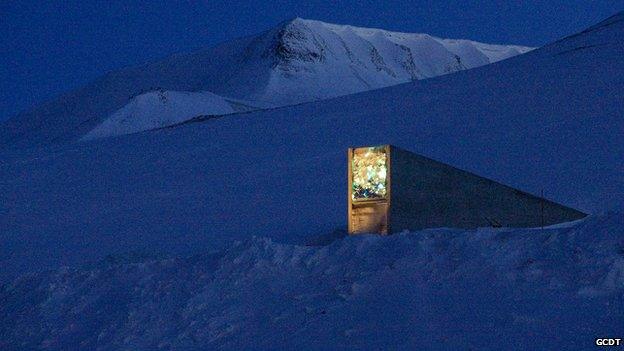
369, 173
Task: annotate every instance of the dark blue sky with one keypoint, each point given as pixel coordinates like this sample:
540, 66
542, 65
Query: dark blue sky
49, 47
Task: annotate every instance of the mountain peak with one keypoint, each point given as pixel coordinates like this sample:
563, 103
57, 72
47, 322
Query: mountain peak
298, 20
302, 45
289, 21
299, 60
295, 40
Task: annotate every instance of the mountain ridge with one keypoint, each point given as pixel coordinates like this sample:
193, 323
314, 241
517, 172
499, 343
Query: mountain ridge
297, 61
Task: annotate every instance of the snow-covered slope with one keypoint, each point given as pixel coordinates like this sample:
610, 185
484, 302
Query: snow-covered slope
486, 289
312, 60
160, 108
297, 61
550, 119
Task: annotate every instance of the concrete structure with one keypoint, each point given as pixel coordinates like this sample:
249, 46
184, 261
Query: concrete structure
391, 190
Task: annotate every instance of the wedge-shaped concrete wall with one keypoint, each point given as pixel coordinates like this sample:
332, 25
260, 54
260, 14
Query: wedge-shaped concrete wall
424, 193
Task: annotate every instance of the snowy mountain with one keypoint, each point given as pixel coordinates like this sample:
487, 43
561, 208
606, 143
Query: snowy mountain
312, 60
444, 289
547, 120
298, 61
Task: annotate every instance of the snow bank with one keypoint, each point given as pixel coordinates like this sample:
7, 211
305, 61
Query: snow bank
435, 289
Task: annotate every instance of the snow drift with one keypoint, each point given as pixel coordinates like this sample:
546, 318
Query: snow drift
297, 61
442, 289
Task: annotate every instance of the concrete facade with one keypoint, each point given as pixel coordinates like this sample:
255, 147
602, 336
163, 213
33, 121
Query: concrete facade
424, 193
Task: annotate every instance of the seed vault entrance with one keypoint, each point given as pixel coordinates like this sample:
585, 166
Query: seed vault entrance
391, 190
369, 184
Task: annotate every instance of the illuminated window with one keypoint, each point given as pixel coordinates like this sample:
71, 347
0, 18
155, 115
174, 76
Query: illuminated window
369, 173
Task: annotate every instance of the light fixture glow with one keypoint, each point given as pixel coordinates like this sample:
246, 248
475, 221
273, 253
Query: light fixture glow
369, 172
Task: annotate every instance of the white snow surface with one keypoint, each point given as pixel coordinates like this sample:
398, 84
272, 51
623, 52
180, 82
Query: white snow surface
159, 109
316, 60
439, 289
550, 119
297, 61
167, 206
